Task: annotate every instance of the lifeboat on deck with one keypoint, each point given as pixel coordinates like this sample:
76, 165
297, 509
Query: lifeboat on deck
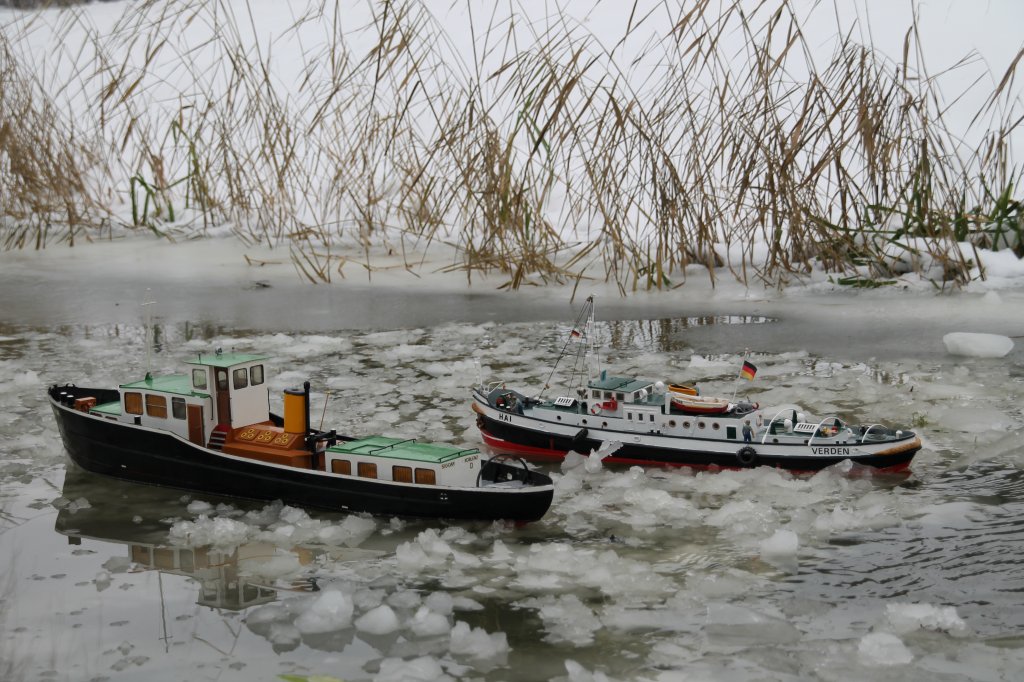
696, 404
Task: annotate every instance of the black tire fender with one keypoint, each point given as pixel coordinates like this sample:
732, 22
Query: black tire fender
579, 440
747, 456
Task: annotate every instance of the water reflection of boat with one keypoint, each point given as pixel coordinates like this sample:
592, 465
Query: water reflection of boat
228, 578
659, 425
212, 430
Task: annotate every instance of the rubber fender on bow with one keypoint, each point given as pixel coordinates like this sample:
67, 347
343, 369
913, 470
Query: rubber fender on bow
579, 440
747, 456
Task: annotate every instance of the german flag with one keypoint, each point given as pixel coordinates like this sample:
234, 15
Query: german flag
748, 371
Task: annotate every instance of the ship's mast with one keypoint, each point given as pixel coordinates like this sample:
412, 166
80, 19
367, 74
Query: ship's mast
582, 336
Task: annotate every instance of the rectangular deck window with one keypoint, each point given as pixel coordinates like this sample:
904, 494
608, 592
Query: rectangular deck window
133, 403
341, 466
156, 406
401, 474
240, 377
367, 470
142, 555
256, 375
199, 379
178, 408
426, 477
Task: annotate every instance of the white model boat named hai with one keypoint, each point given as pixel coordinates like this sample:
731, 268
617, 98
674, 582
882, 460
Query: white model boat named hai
655, 424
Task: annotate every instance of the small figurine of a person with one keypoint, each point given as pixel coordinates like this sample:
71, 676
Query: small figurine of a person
748, 433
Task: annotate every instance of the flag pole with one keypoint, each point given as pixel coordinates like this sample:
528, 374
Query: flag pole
739, 375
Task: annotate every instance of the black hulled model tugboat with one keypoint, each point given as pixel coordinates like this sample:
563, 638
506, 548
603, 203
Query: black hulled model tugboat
211, 430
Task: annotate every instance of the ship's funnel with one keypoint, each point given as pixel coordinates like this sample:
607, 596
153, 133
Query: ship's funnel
295, 409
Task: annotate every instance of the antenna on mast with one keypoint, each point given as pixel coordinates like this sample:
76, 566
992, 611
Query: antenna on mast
148, 322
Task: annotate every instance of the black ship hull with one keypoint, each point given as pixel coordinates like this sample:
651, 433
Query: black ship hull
503, 436
154, 457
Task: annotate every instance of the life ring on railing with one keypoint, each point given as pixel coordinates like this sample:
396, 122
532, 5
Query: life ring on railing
595, 408
610, 405
747, 456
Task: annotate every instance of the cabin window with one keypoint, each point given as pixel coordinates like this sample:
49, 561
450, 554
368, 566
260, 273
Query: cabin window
341, 466
256, 375
595, 394
652, 416
222, 380
199, 379
163, 558
426, 477
142, 555
629, 416
156, 406
178, 408
401, 474
240, 378
620, 396
133, 403
730, 432
367, 469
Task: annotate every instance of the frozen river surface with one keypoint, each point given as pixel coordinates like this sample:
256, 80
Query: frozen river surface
633, 574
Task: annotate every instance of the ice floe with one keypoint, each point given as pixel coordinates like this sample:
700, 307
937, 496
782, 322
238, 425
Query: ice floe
978, 345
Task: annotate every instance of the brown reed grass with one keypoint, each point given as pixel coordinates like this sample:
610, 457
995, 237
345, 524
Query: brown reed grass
551, 157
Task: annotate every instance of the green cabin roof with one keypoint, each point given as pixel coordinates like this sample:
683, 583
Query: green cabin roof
178, 384
624, 384
225, 359
400, 448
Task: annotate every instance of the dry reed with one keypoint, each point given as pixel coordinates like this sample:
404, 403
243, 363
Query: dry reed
548, 158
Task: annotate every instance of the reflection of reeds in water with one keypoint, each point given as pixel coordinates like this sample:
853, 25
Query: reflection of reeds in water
550, 157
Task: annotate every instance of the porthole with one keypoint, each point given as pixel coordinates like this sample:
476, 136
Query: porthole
583, 421
775, 440
715, 426
558, 417
686, 425
604, 425
672, 423
700, 425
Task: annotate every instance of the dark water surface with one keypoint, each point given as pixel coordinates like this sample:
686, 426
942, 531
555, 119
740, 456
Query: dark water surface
645, 575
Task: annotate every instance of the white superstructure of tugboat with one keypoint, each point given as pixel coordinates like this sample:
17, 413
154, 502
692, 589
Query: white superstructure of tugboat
652, 423
211, 430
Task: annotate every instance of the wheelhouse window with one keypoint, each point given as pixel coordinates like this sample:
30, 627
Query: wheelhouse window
240, 378
256, 375
178, 408
199, 378
367, 470
133, 403
156, 406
